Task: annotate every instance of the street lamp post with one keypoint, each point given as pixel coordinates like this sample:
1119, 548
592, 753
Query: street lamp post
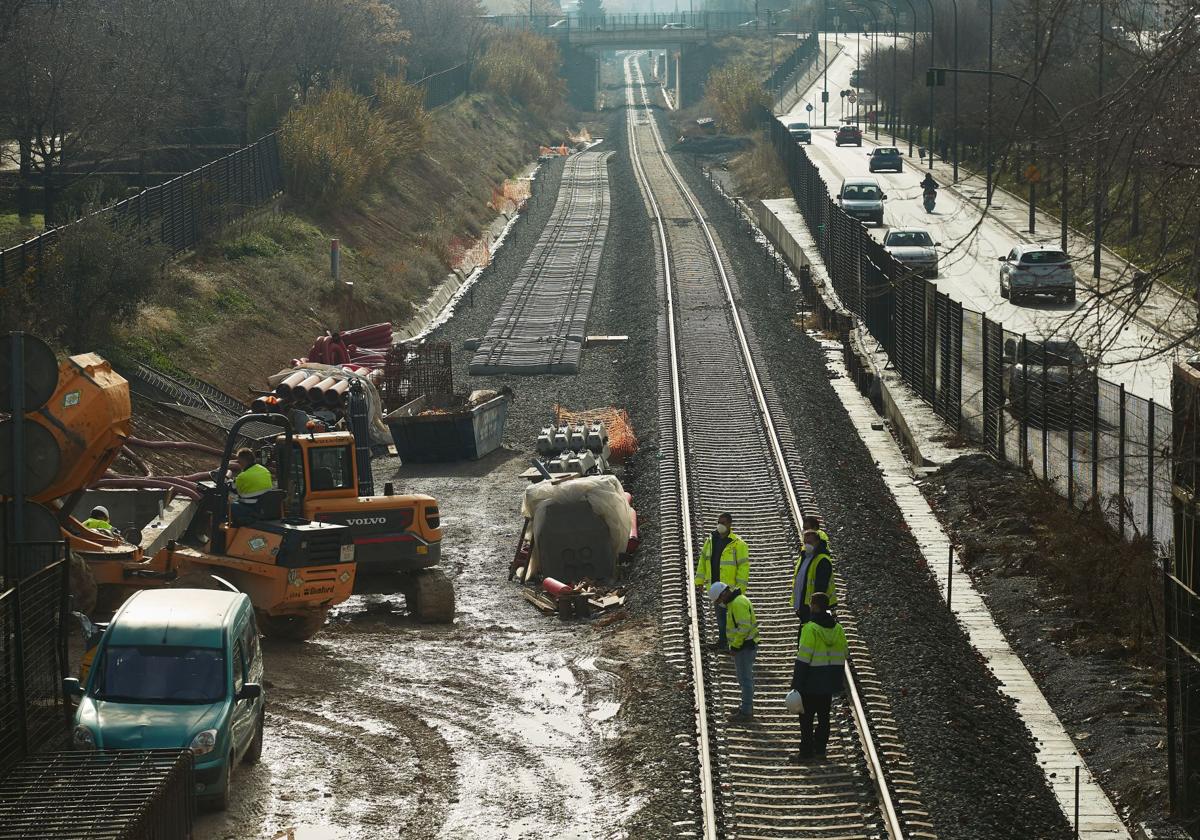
932, 20
987, 143
913, 70
1062, 129
895, 49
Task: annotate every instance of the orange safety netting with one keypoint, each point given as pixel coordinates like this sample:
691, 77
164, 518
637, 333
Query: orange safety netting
622, 442
562, 150
510, 196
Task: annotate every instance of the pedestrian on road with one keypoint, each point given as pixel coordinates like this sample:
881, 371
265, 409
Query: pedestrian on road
725, 558
817, 674
743, 643
813, 574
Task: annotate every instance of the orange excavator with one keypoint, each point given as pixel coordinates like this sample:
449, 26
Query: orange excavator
293, 569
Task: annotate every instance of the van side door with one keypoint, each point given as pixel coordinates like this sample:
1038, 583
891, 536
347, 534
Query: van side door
241, 724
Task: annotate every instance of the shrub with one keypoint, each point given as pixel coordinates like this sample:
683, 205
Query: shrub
336, 144
523, 67
738, 96
96, 277
253, 244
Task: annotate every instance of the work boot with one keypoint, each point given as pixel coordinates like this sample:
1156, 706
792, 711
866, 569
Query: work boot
741, 717
804, 756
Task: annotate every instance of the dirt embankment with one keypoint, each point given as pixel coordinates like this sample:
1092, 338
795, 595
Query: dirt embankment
1081, 607
249, 301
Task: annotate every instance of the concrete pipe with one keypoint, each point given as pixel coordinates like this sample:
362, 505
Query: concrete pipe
284, 388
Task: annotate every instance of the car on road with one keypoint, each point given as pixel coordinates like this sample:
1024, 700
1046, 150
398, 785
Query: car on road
801, 132
885, 157
751, 24
1042, 270
559, 24
848, 135
862, 199
914, 248
677, 25
178, 669
1050, 383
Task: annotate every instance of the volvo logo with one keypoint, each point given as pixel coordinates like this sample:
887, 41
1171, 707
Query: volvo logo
370, 520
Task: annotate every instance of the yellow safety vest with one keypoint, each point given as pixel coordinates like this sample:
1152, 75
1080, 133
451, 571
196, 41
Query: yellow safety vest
735, 563
811, 578
253, 481
97, 525
740, 624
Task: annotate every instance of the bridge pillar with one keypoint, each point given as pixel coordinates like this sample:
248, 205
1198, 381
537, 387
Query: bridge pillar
694, 64
581, 68
677, 88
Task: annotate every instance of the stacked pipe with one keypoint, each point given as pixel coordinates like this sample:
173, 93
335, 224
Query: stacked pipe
306, 390
356, 349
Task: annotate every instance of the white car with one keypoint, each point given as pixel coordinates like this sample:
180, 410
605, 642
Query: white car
862, 199
1029, 270
914, 248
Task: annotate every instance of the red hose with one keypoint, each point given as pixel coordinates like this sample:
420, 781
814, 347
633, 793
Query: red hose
142, 443
137, 460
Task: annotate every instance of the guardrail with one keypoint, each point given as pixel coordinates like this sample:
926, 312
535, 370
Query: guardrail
710, 21
1080, 433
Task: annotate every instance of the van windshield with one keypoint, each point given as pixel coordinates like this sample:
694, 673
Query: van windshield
861, 192
159, 674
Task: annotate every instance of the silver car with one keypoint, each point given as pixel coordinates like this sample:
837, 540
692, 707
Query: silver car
914, 248
862, 199
1029, 270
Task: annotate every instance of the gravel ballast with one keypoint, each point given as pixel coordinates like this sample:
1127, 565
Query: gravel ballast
973, 757
644, 759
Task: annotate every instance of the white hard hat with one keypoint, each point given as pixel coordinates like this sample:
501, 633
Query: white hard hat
714, 591
102, 510
794, 702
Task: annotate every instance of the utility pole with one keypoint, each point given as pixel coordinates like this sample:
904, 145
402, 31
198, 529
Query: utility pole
987, 143
929, 150
1098, 210
825, 83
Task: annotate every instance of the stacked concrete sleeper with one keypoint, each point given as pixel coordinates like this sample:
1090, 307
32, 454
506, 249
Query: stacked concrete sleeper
541, 325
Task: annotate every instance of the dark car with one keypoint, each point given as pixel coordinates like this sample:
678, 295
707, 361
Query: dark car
848, 135
1050, 383
885, 157
801, 132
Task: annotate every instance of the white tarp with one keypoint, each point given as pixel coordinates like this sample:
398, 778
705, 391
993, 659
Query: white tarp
603, 493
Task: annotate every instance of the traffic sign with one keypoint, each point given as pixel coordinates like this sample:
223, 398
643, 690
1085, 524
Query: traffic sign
824, 96
1032, 174
852, 97
808, 107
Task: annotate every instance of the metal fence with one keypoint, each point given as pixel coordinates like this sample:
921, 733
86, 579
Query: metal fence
117, 795
1181, 605
1022, 399
795, 60
177, 213
33, 711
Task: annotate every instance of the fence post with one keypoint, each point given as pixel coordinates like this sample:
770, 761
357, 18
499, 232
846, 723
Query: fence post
1024, 403
1150, 472
1096, 441
1121, 465
1044, 412
1071, 436
19, 659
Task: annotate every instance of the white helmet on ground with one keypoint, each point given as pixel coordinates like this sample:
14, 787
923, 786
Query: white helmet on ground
714, 591
794, 702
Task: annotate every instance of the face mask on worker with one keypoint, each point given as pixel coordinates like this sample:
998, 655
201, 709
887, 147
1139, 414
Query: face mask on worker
722, 528
810, 549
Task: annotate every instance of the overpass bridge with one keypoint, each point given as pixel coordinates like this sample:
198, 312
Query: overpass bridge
678, 34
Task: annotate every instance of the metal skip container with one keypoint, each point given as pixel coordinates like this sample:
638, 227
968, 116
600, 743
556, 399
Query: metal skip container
423, 434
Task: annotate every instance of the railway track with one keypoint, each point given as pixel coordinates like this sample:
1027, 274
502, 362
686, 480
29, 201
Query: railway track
723, 450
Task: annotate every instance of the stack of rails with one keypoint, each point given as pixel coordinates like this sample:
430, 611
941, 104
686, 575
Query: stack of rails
541, 324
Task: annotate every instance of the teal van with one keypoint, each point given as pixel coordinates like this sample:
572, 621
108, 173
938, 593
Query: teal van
178, 668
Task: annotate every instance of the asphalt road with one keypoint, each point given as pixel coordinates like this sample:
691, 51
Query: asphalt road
971, 243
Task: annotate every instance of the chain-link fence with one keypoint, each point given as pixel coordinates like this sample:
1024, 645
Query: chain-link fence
1037, 404
33, 713
446, 85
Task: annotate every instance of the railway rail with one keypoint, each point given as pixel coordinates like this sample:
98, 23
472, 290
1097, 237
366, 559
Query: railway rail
723, 450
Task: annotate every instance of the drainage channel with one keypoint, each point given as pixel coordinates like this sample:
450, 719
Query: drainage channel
724, 451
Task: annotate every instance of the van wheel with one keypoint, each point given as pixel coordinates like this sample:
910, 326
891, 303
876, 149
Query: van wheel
254, 751
292, 628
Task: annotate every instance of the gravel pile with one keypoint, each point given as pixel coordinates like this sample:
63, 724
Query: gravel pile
972, 755
644, 758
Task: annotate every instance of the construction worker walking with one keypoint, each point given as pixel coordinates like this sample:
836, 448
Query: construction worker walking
742, 632
725, 557
813, 573
817, 674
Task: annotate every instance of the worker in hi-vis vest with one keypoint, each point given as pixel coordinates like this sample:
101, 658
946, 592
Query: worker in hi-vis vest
743, 643
818, 673
813, 573
98, 521
253, 479
725, 558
